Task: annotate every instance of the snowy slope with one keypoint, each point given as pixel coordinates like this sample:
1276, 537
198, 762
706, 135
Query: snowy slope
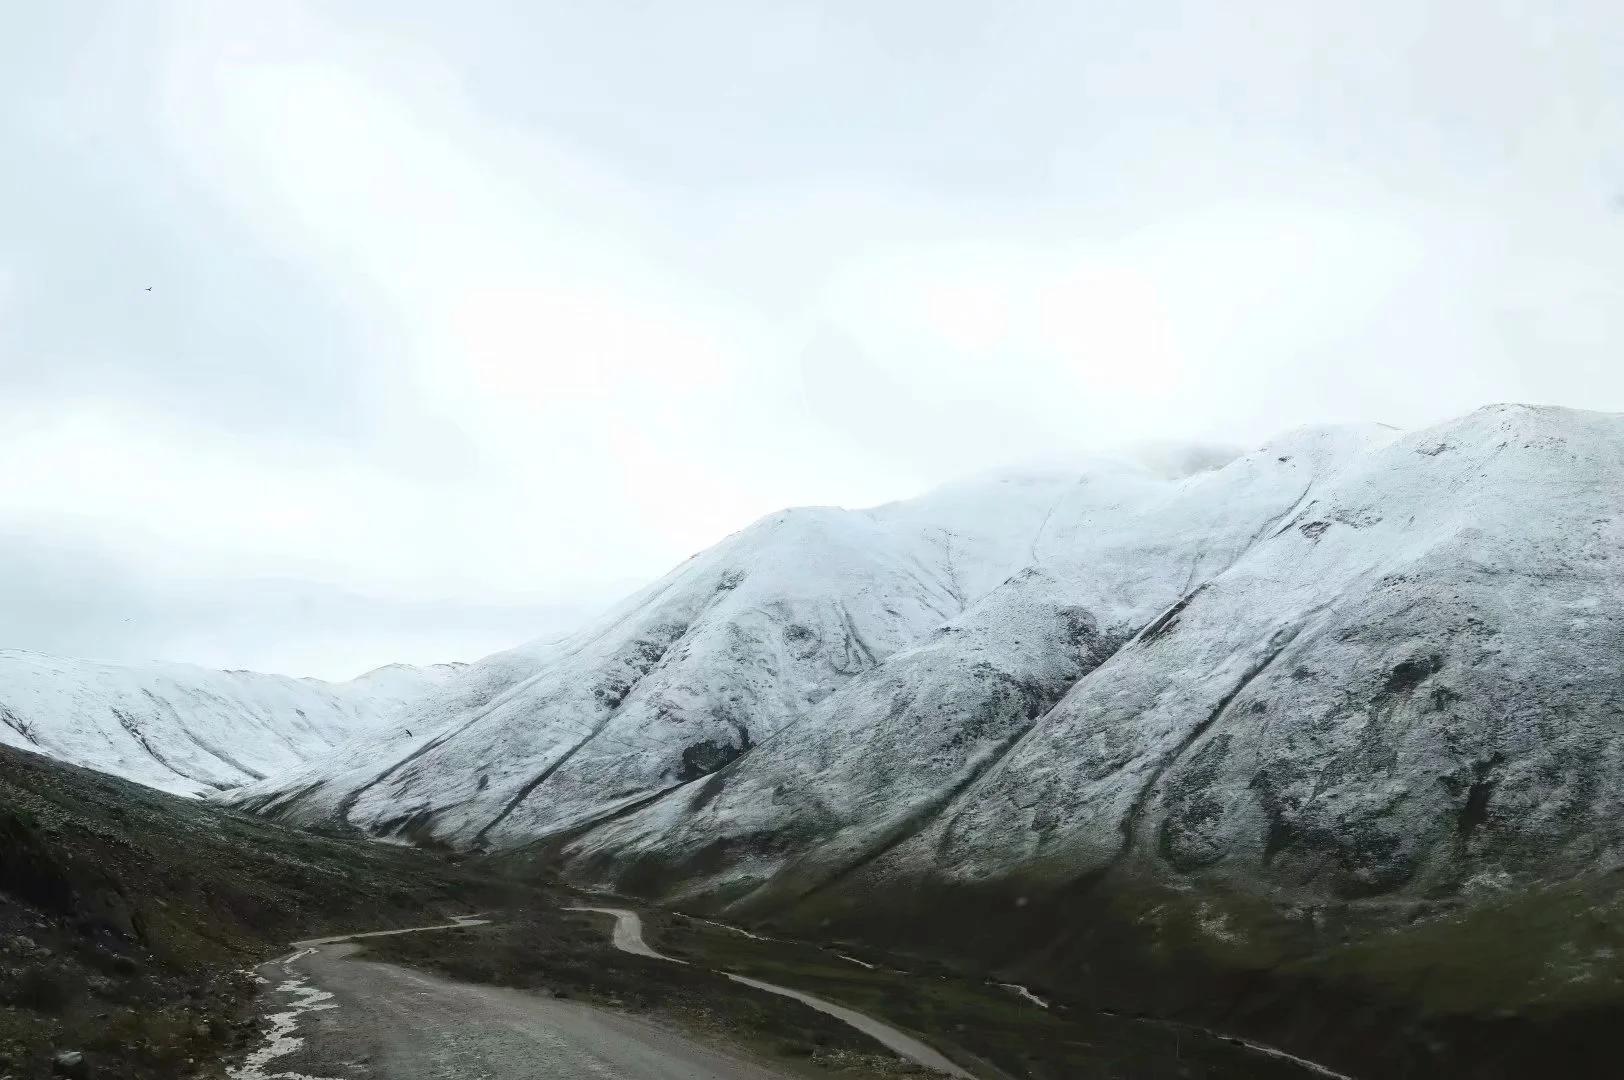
756, 635
186, 729
1415, 681
733, 646
1406, 680
1351, 662
890, 752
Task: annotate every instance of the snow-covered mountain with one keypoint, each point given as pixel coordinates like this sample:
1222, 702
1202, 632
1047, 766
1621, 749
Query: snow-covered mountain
756, 636
187, 729
1295, 743
699, 668
1409, 680
1352, 662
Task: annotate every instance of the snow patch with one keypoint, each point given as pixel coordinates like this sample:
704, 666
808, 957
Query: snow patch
280, 1040
1017, 988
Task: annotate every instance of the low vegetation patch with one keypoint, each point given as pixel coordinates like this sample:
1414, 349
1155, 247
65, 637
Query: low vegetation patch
975, 1020
127, 916
989, 1028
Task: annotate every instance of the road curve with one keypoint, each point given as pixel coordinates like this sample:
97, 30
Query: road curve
628, 937
337, 1018
628, 933
897, 1042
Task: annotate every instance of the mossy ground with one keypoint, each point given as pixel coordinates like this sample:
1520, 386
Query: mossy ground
1491, 985
970, 1017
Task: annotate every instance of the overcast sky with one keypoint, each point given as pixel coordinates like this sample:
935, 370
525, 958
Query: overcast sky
465, 318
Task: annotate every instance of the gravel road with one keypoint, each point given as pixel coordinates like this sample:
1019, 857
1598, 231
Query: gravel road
628, 937
339, 1018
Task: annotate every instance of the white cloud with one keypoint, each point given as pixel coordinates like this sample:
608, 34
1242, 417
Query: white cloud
534, 300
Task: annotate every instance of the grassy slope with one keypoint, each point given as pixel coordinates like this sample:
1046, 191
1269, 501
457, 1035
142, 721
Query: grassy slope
123, 912
986, 1022
1496, 989
988, 1028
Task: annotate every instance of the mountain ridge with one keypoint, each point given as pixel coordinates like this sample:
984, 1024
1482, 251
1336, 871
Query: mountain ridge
741, 640
187, 729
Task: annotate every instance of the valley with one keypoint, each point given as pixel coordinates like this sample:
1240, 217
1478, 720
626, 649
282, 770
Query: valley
1304, 762
134, 922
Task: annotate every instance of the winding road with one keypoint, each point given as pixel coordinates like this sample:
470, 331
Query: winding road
628, 933
339, 1018
628, 937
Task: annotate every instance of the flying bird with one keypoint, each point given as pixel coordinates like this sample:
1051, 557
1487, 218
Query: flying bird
149, 288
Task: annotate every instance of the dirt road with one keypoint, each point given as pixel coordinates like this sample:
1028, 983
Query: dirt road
628, 937
340, 1018
628, 933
